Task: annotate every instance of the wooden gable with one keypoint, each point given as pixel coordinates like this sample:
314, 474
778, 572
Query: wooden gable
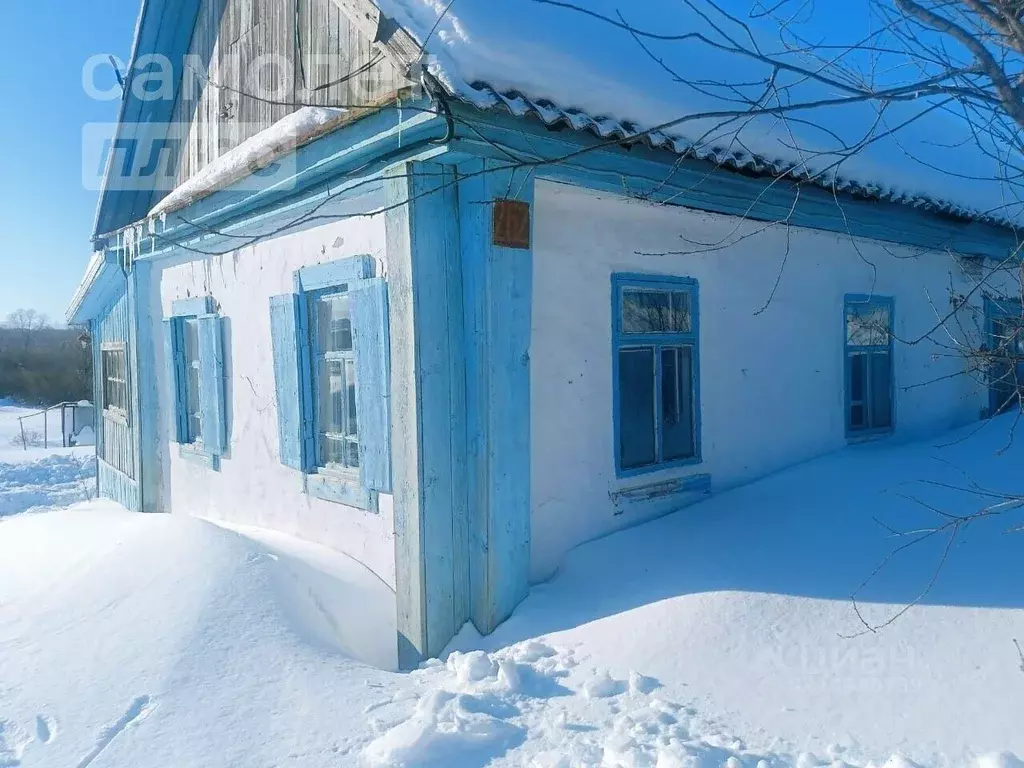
264, 59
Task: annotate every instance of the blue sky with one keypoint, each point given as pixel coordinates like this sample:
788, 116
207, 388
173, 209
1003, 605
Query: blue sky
46, 215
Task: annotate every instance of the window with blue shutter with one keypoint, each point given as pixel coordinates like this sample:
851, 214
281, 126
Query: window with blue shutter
194, 350
869, 390
330, 341
654, 357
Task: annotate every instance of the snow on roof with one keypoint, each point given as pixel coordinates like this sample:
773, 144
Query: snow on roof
252, 155
563, 65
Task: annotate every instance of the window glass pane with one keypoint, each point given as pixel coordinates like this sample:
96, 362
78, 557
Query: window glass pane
339, 444
677, 433
333, 323
857, 417
881, 399
193, 406
115, 379
867, 325
351, 423
858, 376
636, 407
653, 311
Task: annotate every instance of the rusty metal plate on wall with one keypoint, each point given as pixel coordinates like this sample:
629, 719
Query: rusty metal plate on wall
511, 224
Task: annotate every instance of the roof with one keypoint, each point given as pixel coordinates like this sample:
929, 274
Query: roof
164, 27
565, 66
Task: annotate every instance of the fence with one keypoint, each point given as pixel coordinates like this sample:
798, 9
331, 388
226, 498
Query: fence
74, 417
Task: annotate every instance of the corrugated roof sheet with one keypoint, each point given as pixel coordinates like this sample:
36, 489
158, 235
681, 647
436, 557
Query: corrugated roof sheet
483, 96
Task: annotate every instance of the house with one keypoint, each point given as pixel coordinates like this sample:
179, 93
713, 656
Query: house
454, 329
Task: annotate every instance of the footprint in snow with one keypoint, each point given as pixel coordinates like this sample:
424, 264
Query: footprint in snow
46, 729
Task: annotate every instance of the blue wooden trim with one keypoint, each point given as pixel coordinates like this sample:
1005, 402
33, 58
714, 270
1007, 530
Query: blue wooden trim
498, 298
341, 490
174, 366
211, 385
619, 340
148, 390
333, 274
117, 486
662, 176
428, 407
306, 382
193, 307
868, 300
285, 327
97, 396
138, 313
324, 169
100, 288
164, 27
369, 309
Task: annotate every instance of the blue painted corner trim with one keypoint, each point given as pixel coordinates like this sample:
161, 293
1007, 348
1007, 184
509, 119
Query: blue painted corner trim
334, 273
193, 307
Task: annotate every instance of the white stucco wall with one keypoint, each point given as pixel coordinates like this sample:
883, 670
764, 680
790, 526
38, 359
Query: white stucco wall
252, 487
772, 384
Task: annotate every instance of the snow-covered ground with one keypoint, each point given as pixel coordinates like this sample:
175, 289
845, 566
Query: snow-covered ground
719, 636
40, 477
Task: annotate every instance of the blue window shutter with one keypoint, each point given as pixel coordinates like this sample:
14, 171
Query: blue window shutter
285, 326
175, 384
373, 391
306, 387
211, 384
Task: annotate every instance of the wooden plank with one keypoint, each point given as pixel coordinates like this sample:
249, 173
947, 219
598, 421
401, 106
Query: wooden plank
428, 428
369, 308
285, 325
497, 285
212, 384
115, 485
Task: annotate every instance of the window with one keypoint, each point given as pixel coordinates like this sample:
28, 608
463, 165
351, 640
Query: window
1004, 320
869, 368
337, 422
330, 341
195, 370
115, 378
655, 361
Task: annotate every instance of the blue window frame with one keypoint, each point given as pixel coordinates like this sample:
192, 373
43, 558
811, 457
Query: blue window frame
331, 359
655, 360
1004, 329
194, 351
869, 369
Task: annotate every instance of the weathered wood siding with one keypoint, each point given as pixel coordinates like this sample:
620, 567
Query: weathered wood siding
115, 446
260, 60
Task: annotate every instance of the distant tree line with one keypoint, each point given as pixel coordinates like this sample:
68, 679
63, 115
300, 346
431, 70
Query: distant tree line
42, 365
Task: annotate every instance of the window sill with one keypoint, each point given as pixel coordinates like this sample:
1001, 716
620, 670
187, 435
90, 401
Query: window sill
652, 468
340, 490
868, 435
691, 485
195, 454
